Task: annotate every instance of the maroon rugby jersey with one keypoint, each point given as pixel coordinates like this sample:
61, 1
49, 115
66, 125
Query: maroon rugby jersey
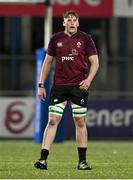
71, 56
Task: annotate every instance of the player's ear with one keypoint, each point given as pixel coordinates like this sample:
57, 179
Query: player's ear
77, 24
63, 23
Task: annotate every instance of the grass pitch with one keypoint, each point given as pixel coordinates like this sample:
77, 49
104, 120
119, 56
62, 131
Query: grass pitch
110, 160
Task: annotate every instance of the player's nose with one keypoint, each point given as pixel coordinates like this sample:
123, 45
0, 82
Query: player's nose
72, 23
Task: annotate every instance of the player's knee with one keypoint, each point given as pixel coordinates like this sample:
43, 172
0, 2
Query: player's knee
52, 122
80, 123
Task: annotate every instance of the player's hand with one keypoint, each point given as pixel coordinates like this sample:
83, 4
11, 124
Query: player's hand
41, 93
84, 85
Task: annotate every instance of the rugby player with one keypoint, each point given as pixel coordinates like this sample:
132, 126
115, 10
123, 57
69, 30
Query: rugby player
71, 50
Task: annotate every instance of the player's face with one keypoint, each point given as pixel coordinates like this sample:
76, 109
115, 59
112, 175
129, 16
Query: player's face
71, 24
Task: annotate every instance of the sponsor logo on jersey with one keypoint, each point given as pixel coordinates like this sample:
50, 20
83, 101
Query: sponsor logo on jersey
59, 44
67, 58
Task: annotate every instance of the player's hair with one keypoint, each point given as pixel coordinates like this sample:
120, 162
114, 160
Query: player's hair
71, 12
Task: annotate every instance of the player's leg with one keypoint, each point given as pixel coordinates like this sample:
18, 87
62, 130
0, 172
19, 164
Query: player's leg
79, 114
55, 114
80, 124
56, 108
79, 99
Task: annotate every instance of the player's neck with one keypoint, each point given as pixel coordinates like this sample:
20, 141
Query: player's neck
70, 34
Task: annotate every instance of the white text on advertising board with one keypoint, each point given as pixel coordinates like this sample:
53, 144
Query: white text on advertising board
77, 2
105, 117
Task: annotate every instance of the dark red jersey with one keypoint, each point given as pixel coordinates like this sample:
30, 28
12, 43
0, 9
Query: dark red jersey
71, 56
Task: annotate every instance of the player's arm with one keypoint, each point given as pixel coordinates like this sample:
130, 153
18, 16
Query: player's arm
94, 65
43, 76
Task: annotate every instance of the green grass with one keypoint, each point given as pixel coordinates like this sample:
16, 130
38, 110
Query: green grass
110, 160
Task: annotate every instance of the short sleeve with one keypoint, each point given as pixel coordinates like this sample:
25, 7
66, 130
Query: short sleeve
51, 47
91, 48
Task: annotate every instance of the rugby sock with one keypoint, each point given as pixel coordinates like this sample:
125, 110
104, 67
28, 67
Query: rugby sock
82, 154
44, 154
